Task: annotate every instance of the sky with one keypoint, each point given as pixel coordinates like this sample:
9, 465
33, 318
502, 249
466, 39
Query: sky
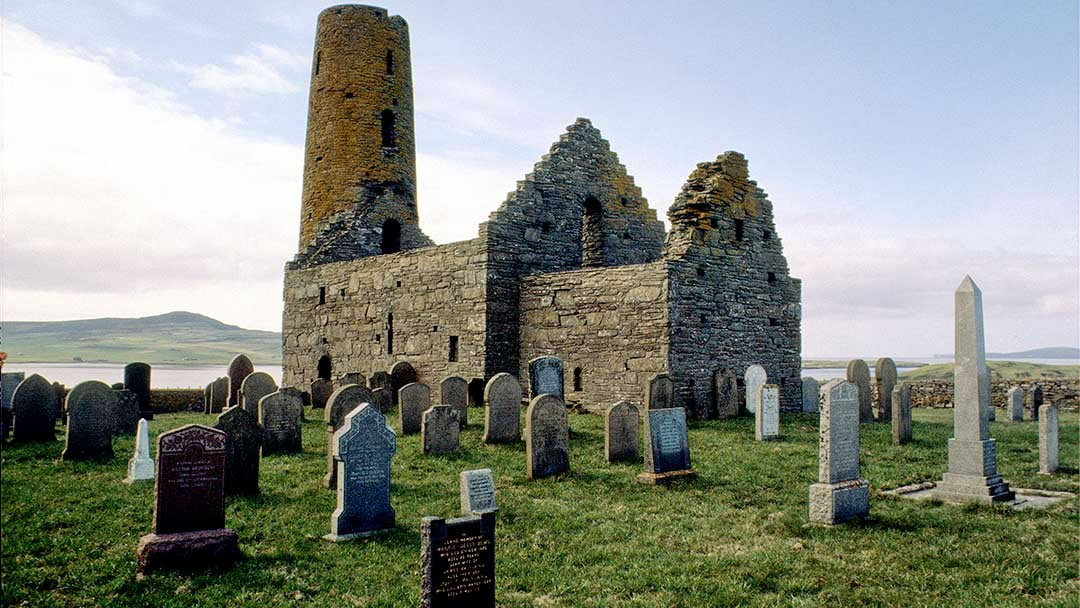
152, 151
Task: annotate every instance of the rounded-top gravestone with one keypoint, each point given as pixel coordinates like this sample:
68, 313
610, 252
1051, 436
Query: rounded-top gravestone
342, 401
809, 395
91, 407
401, 374
661, 393
755, 378
243, 450
547, 437
256, 386
502, 416
413, 400
33, 405
546, 377
137, 380
239, 368
726, 393
858, 373
321, 389
885, 378
454, 391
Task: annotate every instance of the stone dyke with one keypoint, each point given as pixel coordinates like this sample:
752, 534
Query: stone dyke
939, 393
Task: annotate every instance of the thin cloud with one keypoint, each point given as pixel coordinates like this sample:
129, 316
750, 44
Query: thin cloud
265, 69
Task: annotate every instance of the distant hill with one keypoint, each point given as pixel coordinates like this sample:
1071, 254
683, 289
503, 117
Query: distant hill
175, 337
1053, 352
1002, 370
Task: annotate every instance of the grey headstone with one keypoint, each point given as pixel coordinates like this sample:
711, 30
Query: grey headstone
840, 494
256, 386
302, 396
219, 395
34, 410
1048, 439
239, 368
809, 395
137, 380
1014, 404
126, 416
767, 417
1036, 394
363, 448
352, 378
454, 390
885, 379
661, 393
858, 373
477, 492
61, 396
343, 401
547, 437
502, 414
9, 381
440, 430
667, 445
141, 465
726, 393
457, 562
413, 399
382, 400
546, 377
243, 450
379, 380
91, 407
279, 416
206, 398
321, 390
401, 373
972, 474
901, 414
754, 378
621, 439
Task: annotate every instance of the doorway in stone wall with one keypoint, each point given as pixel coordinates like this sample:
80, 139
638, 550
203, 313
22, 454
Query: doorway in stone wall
325, 369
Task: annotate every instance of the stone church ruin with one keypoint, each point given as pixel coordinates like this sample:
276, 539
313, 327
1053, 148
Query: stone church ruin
574, 263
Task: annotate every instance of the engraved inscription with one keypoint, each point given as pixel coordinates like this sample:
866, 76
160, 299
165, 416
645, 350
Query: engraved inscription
462, 563
669, 437
482, 492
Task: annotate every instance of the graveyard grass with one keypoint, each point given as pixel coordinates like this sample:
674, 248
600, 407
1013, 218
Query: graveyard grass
738, 534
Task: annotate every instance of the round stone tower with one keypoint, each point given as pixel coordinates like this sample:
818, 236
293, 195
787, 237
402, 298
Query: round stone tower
360, 156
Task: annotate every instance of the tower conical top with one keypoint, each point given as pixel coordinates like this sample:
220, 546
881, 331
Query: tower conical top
968, 285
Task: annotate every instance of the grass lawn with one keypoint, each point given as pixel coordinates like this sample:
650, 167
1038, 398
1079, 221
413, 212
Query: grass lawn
738, 534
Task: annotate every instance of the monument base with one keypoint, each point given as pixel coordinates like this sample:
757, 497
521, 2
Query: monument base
663, 479
340, 538
835, 503
186, 550
981, 489
140, 470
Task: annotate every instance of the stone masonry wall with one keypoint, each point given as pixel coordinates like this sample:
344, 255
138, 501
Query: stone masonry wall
609, 322
433, 293
732, 302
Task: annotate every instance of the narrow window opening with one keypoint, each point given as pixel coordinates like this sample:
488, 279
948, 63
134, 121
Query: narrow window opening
702, 319
389, 135
701, 271
738, 230
389, 62
625, 201
318, 61
577, 379
545, 227
714, 223
322, 295
391, 237
398, 283
378, 338
774, 322
342, 292
626, 236
453, 348
592, 233
772, 277
476, 391
434, 328
766, 235
324, 367
348, 95
390, 333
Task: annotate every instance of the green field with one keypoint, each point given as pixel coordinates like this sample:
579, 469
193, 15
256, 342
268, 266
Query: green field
737, 535
1001, 370
842, 364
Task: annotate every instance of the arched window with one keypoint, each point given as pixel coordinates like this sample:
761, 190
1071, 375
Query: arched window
577, 379
391, 236
389, 62
389, 135
592, 233
325, 369
390, 333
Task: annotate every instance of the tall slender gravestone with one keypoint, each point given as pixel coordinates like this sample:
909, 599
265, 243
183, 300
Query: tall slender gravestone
219, 395
137, 380
754, 378
1048, 439
256, 386
660, 393
401, 373
126, 415
767, 416
885, 379
189, 503
502, 415
840, 493
547, 437
91, 406
239, 368
206, 398
809, 395
1014, 404
243, 450
972, 475
1036, 393
363, 447
141, 465
726, 393
440, 430
321, 390
621, 432
414, 398
858, 373
343, 401
454, 391
279, 416
667, 447
901, 414
546, 377
457, 562
34, 407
